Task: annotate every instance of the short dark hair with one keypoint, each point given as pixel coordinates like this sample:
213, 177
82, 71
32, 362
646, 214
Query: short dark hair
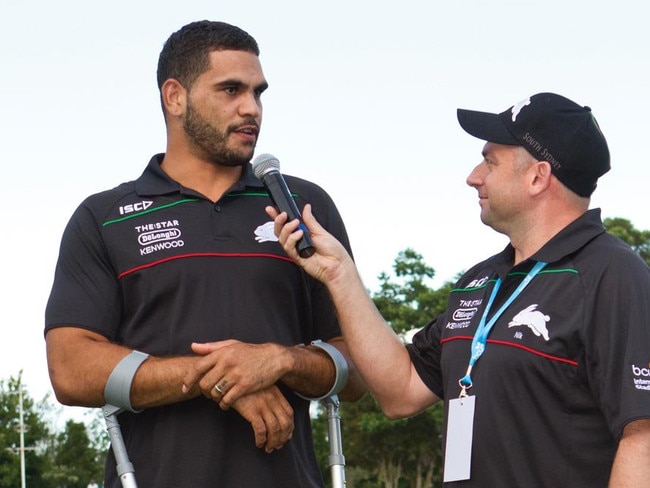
185, 54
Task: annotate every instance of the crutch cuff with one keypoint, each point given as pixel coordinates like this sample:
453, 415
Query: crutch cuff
341, 366
117, 391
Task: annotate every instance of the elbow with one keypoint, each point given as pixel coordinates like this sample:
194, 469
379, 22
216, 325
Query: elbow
393, 413
395, 409
355, 389
67, 391
62, 390
352, 395
65, 396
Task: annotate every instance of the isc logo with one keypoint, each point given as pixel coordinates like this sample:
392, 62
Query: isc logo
136, 207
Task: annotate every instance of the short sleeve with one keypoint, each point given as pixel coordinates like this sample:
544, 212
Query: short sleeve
85, 292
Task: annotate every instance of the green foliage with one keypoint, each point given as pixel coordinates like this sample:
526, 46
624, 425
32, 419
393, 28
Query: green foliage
67, 459
391, 452
35, 436
76, 462
639, 240
405, 300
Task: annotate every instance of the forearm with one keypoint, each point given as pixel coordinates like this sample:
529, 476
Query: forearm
310, 372
80, 363
159, 382
631, 468
356, 387
375, 349
313, 373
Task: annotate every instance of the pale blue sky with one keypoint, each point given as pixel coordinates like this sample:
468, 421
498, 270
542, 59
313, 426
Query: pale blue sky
362, 101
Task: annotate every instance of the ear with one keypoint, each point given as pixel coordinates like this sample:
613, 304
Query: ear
540, 177
174, 97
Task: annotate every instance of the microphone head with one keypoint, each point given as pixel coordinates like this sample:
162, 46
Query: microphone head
265, 163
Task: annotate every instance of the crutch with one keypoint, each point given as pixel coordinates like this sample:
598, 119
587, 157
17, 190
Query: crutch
336, 458
331, 402
117, 394
118, 390
125, 469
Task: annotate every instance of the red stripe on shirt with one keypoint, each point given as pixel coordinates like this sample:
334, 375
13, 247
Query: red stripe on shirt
519, 346
202, 255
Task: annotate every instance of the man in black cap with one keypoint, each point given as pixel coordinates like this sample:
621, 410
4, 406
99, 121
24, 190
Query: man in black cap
542, 356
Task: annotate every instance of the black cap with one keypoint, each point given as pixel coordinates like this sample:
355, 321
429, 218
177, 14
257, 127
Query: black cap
551, 128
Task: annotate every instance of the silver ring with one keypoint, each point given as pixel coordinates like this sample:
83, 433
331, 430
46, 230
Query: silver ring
218, 388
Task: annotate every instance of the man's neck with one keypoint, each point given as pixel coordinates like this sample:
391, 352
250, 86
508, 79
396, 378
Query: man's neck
527, 240
210, 179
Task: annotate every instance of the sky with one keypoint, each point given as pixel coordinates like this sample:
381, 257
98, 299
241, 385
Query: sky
362, 101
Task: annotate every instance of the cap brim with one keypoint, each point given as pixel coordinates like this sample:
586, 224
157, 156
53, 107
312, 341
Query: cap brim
485, 126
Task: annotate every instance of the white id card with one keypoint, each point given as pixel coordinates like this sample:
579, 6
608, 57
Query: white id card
458, 451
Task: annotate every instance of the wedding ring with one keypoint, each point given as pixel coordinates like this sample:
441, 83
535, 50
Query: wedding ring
219, 387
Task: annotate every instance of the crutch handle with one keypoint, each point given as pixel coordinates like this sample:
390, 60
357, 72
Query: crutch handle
124, 467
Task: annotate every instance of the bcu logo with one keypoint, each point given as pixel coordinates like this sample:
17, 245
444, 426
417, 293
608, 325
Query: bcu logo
641, 377
641, 371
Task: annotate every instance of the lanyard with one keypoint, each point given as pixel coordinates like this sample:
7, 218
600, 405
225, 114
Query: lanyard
480, 337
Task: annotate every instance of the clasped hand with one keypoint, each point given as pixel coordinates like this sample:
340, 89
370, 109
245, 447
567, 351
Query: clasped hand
243, 376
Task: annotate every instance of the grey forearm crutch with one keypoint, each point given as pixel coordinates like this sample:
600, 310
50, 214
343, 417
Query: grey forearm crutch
336, 458
331, 402
124, 467
117, 394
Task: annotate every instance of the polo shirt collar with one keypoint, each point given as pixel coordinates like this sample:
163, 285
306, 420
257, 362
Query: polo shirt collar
154, 181
570, 239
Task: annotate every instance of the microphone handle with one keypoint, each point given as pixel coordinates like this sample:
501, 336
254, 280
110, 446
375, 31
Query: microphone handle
284, 202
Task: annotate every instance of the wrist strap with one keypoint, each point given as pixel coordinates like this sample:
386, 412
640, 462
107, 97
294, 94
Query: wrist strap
341, 366
117, 391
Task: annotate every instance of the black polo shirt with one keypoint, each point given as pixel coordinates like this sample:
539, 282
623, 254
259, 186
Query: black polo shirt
565, 367
155, 266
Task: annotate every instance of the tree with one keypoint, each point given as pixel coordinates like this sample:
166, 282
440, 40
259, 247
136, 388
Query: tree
75, 461
639, 240
52, 460
36, 436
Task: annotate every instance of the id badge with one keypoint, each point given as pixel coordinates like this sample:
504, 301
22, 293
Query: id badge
460, 427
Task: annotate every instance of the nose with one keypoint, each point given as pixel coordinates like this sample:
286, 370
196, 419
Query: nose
251, 105
475, 178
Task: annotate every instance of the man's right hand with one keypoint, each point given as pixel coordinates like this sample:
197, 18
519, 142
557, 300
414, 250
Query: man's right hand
270, 416
330, 263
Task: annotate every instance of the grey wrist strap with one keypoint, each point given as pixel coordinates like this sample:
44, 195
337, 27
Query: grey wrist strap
341, 366
118, 387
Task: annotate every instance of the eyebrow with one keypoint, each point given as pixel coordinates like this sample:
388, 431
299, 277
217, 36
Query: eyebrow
238, 83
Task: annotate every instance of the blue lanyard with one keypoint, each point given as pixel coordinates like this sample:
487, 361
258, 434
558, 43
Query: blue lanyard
479, 341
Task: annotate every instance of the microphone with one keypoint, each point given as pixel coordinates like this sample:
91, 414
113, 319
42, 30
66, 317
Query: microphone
267, 169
